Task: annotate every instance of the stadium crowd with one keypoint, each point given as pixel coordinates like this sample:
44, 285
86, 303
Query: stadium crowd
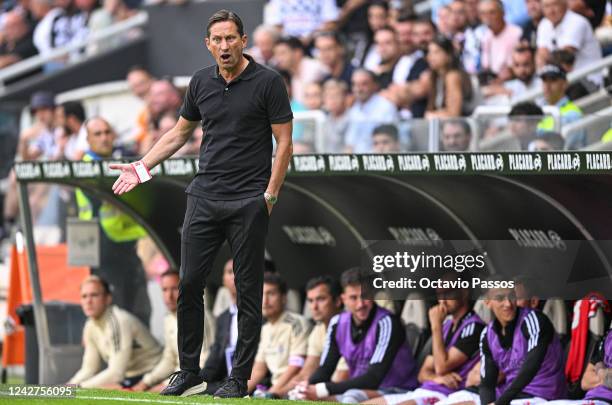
349, 348
363, 63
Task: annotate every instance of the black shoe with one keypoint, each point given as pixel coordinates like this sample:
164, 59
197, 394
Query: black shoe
184, 383
232, 388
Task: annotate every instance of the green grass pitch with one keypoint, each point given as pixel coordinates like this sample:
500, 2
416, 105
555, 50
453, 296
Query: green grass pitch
108, 397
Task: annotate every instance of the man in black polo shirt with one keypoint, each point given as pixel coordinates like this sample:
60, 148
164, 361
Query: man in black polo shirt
240, 103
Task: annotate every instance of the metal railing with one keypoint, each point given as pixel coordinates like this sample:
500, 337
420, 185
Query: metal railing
38, 61
594, 102
572, 77
497, 110
94, 90
319, 119
587, 121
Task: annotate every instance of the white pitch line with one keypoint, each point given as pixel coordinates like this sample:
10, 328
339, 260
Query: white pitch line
157, 401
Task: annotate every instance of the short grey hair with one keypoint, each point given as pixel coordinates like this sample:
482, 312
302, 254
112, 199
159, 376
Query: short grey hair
330, 84
267, 29
498, 3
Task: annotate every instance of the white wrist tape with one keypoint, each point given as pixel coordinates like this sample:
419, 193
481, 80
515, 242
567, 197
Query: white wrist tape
321, 390
297, 361
141, 170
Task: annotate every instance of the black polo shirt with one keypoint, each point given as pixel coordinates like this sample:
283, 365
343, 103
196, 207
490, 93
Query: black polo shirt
236, 150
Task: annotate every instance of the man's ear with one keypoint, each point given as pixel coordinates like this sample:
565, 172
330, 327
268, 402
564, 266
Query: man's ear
245, 41
207, 43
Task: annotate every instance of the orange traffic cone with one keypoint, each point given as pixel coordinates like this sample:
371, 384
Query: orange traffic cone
13, 352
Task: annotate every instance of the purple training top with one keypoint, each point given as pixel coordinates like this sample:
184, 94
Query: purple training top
549, 382
359, 356
603, 392
468, 322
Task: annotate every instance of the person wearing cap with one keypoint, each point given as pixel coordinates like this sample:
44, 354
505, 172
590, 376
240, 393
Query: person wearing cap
34, 142
554, 85
38, 141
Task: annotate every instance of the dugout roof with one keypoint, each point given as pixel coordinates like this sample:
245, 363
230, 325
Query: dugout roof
332, 206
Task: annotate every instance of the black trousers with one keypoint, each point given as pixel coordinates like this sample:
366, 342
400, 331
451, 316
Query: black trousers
208, 223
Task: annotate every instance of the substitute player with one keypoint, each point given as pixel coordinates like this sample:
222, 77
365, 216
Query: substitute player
373, 343
522, 344
115, 337
455, 344
597, 378
283, 343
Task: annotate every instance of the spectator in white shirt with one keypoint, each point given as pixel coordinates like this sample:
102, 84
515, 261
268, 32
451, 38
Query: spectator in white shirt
264, 38
290, 56
302, 18
71, 25
564, 29
72, 116
525, 79
369, 111
410, 54
46, 14
387, 46
335, 93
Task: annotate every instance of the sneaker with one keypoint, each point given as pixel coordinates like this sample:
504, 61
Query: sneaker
184, 383
232, 388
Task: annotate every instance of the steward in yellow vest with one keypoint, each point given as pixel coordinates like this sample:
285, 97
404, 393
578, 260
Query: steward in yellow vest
554, 86
119, 263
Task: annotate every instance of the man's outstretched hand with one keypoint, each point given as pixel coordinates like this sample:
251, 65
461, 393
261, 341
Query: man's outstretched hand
127, 180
